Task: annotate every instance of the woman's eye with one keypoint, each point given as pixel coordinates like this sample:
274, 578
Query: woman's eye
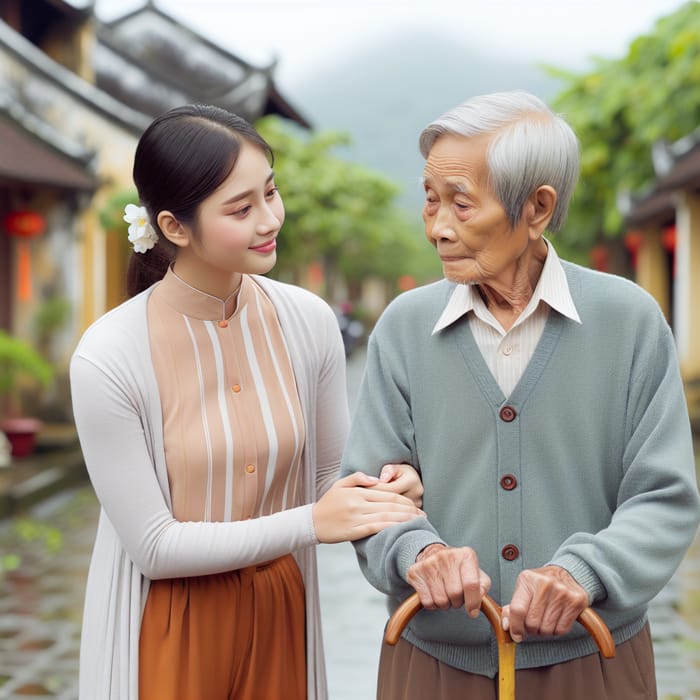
242, 212
271, 192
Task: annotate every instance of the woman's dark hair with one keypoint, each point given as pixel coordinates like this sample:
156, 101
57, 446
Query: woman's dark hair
182, 157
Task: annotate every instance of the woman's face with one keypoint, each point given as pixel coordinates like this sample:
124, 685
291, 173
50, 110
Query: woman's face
464, 219
237, 225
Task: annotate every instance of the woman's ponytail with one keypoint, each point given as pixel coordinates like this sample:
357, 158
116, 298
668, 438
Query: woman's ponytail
145, 269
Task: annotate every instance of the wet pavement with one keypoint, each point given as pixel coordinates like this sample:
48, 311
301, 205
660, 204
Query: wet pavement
45, 558
40, 611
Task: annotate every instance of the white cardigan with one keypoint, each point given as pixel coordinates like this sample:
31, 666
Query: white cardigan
117, 412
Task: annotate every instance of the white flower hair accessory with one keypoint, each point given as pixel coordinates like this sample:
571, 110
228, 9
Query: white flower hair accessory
141, 233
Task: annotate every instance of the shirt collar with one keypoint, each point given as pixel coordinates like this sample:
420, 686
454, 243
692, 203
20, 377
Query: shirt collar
182, 297
552, 288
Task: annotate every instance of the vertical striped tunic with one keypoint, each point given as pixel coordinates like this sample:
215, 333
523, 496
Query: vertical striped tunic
232, 421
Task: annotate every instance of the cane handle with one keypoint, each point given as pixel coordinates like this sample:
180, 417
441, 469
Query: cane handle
590, 620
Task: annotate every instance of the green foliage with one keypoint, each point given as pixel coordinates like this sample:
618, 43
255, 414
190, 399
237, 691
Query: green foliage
339, 212
52, 315
30, 534
620, 109
112, 213
19, 360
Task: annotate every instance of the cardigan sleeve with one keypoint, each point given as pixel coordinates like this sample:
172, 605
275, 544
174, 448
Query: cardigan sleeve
113, 439
382, 433
657, 511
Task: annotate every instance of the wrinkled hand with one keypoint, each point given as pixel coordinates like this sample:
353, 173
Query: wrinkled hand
349, 510
403, 479
449, 577
546, 601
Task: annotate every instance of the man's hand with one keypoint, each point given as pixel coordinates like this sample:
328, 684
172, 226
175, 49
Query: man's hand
546, 601
449, 577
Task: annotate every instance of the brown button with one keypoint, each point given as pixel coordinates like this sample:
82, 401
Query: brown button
508, 482
223, 324
250, 468
507, 413
510, 552
236, 388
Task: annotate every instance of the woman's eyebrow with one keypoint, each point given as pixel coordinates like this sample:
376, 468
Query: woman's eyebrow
247, 193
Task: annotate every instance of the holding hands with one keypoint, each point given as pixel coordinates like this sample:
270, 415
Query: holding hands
360, 505
403, 479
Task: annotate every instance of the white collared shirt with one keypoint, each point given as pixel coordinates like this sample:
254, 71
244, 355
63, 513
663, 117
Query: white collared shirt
507, 353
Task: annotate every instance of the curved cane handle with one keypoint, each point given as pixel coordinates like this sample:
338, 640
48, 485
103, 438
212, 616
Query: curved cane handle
590, 620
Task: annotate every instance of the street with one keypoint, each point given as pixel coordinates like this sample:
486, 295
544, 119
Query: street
41, 601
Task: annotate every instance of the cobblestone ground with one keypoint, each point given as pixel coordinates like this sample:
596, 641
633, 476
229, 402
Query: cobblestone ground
41, 600
41, 603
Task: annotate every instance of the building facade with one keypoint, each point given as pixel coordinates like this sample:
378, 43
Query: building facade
663, 236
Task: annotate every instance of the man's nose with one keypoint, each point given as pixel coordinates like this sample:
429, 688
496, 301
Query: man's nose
442, 225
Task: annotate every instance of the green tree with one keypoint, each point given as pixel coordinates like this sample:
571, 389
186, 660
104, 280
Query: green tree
619, 110
340, 213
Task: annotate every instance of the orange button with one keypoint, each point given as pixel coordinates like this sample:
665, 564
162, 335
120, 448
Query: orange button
236, 388
250, 468
223, 324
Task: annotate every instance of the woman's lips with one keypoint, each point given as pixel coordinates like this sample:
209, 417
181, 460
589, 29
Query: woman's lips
268, 247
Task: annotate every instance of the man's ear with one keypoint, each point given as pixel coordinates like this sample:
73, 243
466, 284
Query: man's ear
540, 209
172, 229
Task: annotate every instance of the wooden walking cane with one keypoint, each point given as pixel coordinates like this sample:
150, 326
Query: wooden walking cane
590, 620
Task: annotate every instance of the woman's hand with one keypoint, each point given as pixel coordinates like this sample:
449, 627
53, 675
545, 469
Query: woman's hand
349, 510
402, 479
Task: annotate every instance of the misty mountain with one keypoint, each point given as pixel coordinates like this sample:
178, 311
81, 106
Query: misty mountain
384, 94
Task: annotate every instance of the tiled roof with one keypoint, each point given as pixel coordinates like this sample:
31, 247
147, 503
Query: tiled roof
679, 164
26, 158
152, 62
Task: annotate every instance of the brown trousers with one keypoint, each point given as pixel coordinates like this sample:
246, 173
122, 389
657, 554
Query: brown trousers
407, 673
235, 635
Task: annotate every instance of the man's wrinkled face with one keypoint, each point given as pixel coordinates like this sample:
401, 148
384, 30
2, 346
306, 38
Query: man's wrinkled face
463, 218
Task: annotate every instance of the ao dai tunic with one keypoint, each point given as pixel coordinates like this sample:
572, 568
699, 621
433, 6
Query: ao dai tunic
232, 421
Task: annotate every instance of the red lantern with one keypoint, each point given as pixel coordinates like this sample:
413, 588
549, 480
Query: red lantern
668, 237
24, 225
668, 241
600, 257
633, 242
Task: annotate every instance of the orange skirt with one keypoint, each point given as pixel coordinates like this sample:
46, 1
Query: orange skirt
239, 634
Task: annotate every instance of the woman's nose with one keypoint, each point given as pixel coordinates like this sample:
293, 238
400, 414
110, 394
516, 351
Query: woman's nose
269, 220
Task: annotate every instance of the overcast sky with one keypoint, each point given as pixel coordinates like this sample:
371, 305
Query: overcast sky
302, 33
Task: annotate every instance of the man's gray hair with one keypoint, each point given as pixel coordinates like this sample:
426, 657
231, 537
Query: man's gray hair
531, 146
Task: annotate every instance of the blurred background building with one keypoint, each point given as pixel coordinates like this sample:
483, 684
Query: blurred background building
75, 94
663, 237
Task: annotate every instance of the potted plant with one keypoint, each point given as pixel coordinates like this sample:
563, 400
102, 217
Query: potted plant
21, 366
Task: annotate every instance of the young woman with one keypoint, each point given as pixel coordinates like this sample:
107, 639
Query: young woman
211, 411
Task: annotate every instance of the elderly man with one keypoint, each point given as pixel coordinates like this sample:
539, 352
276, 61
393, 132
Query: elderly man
542, 403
